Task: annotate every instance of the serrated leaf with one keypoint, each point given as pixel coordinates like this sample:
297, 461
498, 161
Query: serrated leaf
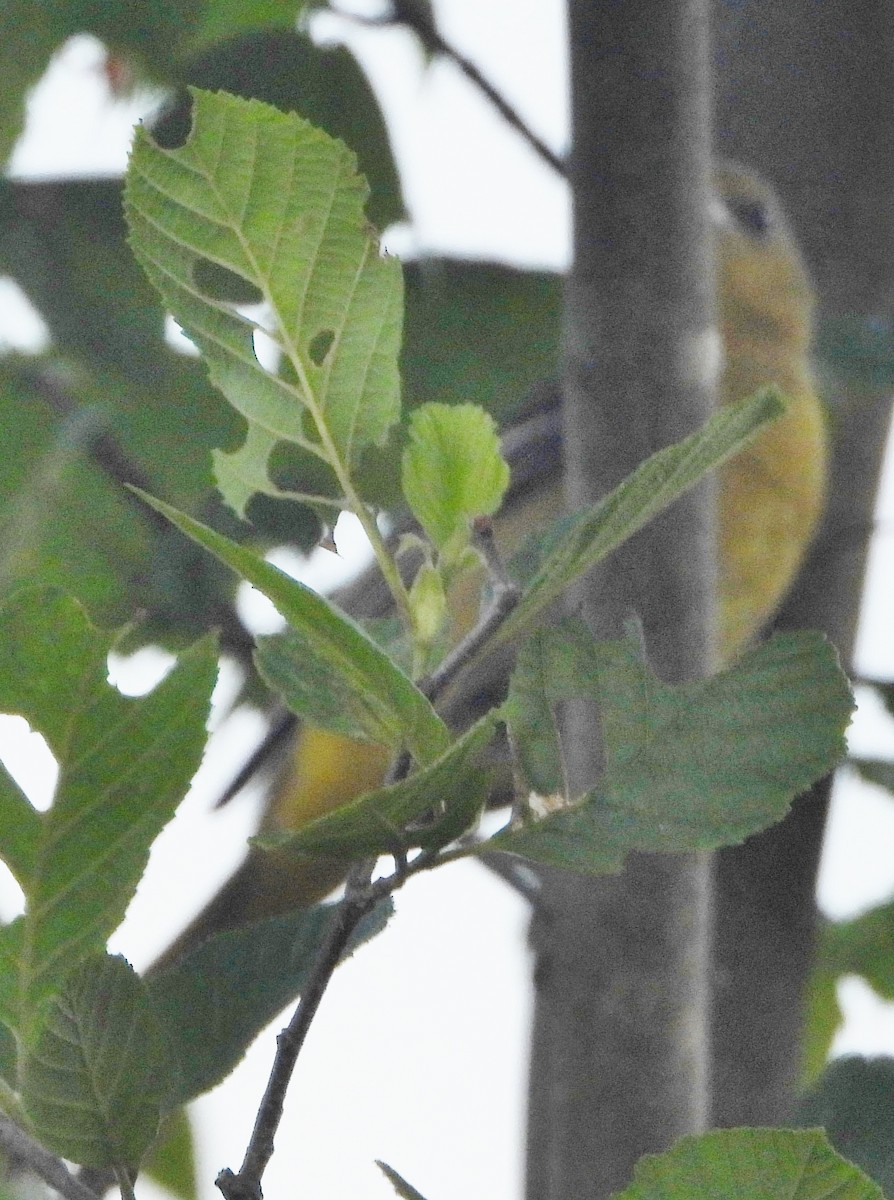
741, 1164
287, 68
452, 471
277, 203
854, 1102
405, 1190
213, 1003
124, 764
394, 711
688, 767
290, 665
453, 788
93, 1082
582, 540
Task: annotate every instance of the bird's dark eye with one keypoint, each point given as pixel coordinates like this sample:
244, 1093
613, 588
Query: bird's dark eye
753, 215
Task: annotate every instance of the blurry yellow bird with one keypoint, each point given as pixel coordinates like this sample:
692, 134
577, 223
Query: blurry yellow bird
770, 500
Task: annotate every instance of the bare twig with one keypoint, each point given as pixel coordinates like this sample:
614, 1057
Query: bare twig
246, 1185
504, 598
402, 13
52, 1170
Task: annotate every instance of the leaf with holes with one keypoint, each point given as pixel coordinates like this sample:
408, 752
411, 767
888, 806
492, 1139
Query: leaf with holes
124, 765
259, 204
688, 767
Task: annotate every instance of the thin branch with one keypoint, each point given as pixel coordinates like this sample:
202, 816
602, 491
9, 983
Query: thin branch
52, 1170
504, 597
408, 14
246, 1185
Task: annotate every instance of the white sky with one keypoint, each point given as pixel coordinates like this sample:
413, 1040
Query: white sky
418, 1054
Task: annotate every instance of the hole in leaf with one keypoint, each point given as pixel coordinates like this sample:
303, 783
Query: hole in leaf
320, 345
220, 283
28, 759
173, 126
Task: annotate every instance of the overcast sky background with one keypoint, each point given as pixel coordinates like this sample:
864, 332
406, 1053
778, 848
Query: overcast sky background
418, 1055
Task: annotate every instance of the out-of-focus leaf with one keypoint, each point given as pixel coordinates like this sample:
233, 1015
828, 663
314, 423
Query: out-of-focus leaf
62, 521
324, 84
171, 1161
875, 770
93, 1083
214, 1002
822, 1020
854, 1102
479, 331
773, 1164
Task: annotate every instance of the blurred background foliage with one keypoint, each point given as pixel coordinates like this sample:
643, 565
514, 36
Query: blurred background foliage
110, 401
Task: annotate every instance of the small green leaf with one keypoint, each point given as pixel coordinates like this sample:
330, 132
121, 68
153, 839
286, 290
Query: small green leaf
577, 543
405, 1190
171, 1161
428, 605
270, 199
453, 470
93, 1083
854, 1102
743, 1164
213, 1003
690, 767
124, 765
376, 823
385, 703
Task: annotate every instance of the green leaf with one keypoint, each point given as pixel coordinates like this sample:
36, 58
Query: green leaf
863, 946
171, 1161
822, 1020
124, 766
223, 18
92, 1086
393, 710
743, 1164
214, 1002
688, 767
453, 471
577, 543
323, 83
277, 204
405, 1190
479, 329
377, 822
875, 770
854, 1102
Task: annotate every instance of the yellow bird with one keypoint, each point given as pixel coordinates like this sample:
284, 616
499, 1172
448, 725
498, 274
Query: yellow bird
770, 500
